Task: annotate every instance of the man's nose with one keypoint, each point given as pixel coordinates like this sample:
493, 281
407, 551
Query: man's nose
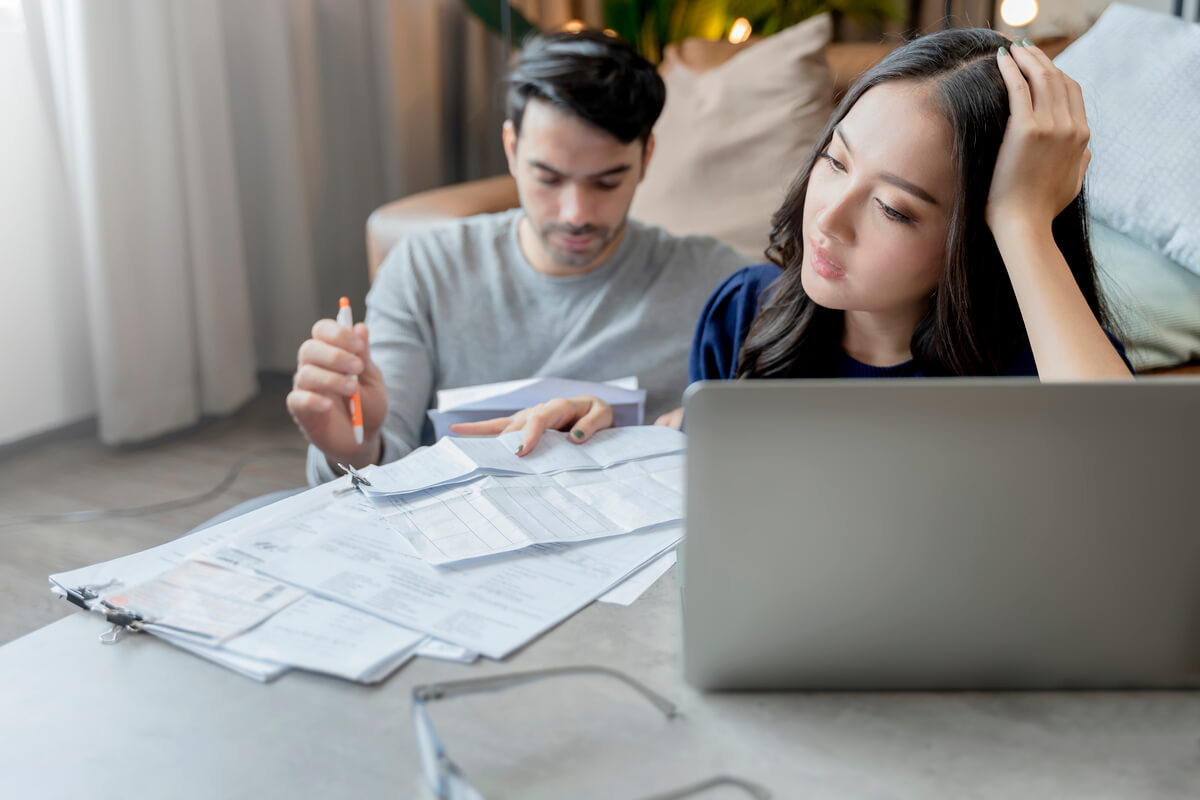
573, 205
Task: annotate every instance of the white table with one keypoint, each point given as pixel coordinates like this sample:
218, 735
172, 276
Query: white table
142, 719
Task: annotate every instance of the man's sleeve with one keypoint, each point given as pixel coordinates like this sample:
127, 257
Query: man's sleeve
402, 336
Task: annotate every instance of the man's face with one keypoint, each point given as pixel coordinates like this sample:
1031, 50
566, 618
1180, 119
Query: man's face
576, 183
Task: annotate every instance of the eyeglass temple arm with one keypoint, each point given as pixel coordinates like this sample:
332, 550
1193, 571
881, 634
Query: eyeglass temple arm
493, 683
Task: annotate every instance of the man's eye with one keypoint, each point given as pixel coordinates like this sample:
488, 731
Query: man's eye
607, 186
548, 181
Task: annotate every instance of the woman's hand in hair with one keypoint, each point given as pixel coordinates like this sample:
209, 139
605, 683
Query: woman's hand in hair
1043, 156
582, 416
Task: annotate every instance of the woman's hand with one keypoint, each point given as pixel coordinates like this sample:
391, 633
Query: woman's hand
671, 419
1043, 156
583, 416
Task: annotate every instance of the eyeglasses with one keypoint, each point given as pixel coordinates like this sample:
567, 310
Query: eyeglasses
446, 780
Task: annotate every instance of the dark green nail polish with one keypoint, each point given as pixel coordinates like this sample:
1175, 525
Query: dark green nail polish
1002, 51
1027, 42
578, 434
520, 447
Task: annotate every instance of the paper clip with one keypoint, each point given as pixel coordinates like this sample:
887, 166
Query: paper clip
356, 477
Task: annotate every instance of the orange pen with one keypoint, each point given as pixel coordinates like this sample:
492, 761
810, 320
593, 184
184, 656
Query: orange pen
346, 320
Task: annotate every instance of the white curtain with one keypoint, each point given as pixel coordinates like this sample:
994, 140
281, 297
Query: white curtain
222, 157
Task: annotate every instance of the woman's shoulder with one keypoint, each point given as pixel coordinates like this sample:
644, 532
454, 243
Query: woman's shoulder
745, 286
726, 319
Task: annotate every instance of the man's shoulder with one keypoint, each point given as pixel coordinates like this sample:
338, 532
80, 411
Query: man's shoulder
693, 251
449, 244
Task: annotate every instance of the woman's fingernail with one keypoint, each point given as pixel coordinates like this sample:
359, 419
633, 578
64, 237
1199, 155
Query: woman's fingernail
1002, 51
1027, 43
578, 434
520, 447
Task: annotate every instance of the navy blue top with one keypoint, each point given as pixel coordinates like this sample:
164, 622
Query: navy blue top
726, 319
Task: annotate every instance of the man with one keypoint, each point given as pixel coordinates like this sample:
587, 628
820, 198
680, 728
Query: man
565, 286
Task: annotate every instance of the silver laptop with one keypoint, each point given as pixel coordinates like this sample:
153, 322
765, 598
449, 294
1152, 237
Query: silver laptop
942, 534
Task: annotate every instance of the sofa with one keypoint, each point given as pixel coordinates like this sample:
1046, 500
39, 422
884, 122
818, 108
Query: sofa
823, 69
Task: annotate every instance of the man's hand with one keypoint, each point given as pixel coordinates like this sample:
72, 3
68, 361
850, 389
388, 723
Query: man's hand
583, 416
326, 367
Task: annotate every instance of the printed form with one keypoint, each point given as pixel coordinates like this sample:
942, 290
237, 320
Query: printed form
455, 460
491, 606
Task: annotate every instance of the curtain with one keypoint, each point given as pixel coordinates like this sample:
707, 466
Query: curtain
222, 158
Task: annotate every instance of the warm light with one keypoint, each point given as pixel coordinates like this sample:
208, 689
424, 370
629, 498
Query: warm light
610, 32
1017, 13
740, 31
574, 26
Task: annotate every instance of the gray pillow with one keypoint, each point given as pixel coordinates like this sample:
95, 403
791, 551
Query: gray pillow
1154, 301
1140, 73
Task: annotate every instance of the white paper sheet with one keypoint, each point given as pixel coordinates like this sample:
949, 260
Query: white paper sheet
257, 669
498, 514
288, 636
323, 636
461, 459
203, 602
474, 403
629, 590
491, 607
444, 651
480, 394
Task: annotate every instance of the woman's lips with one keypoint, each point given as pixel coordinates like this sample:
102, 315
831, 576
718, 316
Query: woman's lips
823, 263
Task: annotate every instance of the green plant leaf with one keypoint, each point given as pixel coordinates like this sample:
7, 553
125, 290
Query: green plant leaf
488, 12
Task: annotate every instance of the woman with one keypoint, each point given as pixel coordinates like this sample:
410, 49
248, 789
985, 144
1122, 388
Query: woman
939, 228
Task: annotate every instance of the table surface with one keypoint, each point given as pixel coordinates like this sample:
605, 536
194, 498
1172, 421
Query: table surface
142, 719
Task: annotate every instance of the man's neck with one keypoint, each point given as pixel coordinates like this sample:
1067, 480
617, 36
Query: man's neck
540, 260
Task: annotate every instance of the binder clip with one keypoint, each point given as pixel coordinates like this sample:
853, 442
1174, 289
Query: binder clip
121, 621
357, 479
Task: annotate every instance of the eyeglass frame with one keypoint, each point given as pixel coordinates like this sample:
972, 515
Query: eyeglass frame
447, 782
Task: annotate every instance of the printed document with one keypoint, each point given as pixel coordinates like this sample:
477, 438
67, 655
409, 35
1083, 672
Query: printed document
497, 514
492, 606
487, 401
455, 460
203, 602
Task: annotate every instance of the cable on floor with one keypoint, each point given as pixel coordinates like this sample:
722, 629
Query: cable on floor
92, 515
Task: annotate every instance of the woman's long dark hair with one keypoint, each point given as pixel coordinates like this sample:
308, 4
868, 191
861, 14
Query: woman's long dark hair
974, 325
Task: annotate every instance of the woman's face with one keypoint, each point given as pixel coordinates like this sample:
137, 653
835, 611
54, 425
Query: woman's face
878, 206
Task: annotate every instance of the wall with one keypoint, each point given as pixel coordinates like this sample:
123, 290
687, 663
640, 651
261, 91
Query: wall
45, 363
1074, 16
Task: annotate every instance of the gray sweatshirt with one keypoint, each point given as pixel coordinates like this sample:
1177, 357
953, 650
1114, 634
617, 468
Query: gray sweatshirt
458, 304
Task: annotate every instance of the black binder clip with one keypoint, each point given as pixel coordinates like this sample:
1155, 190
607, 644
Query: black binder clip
121, 620
357, 479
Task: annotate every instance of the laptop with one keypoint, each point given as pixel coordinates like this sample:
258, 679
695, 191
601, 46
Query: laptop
942, 534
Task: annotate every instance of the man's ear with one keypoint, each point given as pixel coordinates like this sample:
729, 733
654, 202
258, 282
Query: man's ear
647, 151
508, 134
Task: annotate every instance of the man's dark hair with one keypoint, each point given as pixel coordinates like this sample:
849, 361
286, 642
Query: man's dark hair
599, 78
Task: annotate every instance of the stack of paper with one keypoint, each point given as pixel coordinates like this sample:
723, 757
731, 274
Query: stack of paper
472, 498
475, 403
324, 581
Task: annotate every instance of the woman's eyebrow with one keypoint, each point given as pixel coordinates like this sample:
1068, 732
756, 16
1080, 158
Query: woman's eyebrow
895, 180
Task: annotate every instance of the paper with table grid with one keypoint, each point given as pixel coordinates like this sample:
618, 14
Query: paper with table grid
498, 514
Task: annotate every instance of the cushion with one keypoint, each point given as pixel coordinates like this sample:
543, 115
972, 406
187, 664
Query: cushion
1139, 72
1154, 301
731, 138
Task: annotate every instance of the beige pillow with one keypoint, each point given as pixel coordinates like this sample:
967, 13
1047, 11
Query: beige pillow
731, 138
